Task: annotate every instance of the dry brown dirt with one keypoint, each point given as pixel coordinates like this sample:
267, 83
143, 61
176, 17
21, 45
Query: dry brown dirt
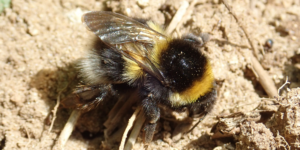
41, 41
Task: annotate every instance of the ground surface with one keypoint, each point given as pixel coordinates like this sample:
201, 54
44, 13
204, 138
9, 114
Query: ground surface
40, 41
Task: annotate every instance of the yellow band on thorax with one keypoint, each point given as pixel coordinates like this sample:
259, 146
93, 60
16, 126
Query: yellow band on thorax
199, 88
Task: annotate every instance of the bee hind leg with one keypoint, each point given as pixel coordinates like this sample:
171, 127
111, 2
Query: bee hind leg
86, 97
152, 113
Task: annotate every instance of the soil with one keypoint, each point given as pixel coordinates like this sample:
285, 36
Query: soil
41, 42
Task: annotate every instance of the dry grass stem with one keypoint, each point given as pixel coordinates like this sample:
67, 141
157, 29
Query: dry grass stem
263, 77
129, 126
135, 131
115, 109
114, 122
285, 83
67, 130
177, 17
186, 16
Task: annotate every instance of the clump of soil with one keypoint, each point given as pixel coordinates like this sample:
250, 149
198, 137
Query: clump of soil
253, 131
255, 136
285, 122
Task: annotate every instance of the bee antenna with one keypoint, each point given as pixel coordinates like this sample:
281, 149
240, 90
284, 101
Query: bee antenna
196, 124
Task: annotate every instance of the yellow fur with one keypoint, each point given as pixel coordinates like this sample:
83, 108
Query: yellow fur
155, 27
159, 44
132, 70
199, 88
157, 50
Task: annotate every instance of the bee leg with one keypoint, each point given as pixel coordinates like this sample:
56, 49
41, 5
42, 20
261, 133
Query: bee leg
152, 113
148, 134
86, 97
84, 88
202, 107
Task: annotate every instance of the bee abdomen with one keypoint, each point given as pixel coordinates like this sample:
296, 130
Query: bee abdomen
102, 65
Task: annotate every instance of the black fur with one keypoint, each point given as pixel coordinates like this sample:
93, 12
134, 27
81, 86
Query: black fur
111, 61
154, 86
183, 64
203, 105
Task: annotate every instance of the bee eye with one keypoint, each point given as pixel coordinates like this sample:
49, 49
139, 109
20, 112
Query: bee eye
199, 40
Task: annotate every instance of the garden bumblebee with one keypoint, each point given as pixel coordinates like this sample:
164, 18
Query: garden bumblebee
165, 71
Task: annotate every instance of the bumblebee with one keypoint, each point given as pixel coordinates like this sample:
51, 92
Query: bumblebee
165, 70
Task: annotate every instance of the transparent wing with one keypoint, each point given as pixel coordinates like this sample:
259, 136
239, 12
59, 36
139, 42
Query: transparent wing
117, 29
129, 37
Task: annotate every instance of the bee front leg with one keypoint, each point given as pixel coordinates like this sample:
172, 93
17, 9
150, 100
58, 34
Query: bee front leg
152, 113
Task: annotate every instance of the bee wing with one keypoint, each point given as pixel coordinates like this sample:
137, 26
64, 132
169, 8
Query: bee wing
127, 36
117, 29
